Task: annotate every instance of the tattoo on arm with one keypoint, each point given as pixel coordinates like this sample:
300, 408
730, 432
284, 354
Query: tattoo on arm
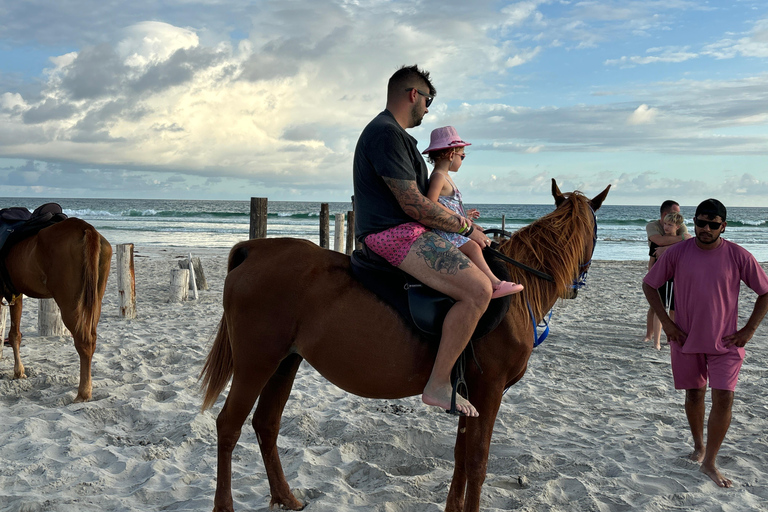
421, 208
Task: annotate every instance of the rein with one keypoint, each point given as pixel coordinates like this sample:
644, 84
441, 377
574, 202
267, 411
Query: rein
502, 256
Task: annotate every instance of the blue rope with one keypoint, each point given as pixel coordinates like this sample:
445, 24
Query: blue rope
537, 340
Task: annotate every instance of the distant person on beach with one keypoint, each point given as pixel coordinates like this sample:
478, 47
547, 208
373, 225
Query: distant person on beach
705, 340
672, 224
658, 241
446, 152
393, 217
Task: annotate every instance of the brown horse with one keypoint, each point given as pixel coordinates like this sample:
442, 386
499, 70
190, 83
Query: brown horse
286, 300
69, 262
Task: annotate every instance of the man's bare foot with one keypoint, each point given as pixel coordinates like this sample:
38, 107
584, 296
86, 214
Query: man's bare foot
697, 455
647, 338
442, 398
657, 346
716, 476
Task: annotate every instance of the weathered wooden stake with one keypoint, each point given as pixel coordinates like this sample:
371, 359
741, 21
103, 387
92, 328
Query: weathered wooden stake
258, 227
338, 233
503, 221
126, 281
200, 280
179, 289
192, 283
325, 242
49, 322
2, 326
350, 232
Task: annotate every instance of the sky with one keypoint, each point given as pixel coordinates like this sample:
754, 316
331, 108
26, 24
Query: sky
206, 99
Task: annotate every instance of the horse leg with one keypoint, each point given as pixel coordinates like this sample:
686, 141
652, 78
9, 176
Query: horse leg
471, 453
14, 338
248, 381
85, 344
266, 424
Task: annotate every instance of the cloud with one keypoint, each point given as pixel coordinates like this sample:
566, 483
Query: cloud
643, 115
665, 55
754, 44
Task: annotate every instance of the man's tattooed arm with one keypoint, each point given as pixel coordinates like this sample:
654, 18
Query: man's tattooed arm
421, 208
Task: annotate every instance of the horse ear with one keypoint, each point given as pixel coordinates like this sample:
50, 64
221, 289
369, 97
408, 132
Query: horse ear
597, 201
559, 197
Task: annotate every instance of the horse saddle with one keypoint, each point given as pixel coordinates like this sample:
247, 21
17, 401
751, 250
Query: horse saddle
17, 224
421, 306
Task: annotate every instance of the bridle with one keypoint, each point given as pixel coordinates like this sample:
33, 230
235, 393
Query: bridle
581, 279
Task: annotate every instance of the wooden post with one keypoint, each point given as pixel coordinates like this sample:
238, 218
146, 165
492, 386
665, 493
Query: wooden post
179, 290
338, 233
200, 280
358, 244
126, 281
2, 326
325, 241
503, 221
192, 283
49, 321
350, 232
258, 227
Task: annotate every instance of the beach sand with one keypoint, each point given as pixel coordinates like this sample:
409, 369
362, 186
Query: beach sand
595, 424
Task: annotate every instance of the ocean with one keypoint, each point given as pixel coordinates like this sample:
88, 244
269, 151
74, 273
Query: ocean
187, 224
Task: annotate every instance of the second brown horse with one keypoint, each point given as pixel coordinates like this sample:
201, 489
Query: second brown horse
68, 262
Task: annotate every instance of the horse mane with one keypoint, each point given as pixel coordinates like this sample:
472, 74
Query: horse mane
554, 244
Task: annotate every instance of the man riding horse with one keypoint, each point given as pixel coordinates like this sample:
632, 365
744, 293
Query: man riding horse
392, 217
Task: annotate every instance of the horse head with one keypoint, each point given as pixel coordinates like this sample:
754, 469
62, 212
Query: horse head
586, 259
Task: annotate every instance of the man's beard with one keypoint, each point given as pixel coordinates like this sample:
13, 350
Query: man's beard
415, 116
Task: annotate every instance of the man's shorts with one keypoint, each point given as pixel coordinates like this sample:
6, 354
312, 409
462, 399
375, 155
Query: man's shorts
667, 294
690, 371
394, 243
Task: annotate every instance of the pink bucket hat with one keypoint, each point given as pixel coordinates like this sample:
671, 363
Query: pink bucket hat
444, 138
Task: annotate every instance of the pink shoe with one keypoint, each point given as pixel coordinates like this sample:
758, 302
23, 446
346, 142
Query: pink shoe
506, 288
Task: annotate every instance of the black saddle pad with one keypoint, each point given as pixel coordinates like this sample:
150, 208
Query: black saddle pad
421, 306
17, 224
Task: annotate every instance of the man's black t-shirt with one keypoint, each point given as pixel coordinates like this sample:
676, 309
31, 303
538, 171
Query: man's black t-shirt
384, 149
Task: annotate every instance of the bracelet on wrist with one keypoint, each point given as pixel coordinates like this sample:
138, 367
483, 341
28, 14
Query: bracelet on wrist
469, 231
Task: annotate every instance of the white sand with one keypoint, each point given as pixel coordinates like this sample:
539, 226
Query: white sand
594, 425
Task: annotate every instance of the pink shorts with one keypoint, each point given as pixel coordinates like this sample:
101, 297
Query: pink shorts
394, 243
690, 371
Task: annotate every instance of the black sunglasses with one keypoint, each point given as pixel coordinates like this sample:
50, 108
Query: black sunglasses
712, 224
428, 96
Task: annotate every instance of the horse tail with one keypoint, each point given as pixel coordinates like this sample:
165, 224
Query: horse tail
90, 307
218, 367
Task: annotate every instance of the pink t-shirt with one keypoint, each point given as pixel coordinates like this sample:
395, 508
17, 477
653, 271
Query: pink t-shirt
707, 290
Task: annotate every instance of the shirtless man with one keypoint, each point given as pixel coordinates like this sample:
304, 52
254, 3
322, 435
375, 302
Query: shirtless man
393, 215
705, 341
660, 240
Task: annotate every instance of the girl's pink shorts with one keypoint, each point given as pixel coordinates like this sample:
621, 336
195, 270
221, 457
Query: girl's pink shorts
394, 243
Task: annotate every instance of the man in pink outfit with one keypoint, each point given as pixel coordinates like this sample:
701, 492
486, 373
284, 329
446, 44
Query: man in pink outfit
705, 340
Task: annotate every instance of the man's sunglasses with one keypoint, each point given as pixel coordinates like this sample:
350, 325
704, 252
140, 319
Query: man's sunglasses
712, 224
428, 96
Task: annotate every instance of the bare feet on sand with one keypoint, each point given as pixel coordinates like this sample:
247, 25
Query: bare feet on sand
442, 398
717, 477
697, 455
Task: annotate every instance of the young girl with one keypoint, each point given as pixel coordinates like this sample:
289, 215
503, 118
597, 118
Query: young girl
446, 152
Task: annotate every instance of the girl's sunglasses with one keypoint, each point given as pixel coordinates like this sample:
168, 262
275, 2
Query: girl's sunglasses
712, 225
